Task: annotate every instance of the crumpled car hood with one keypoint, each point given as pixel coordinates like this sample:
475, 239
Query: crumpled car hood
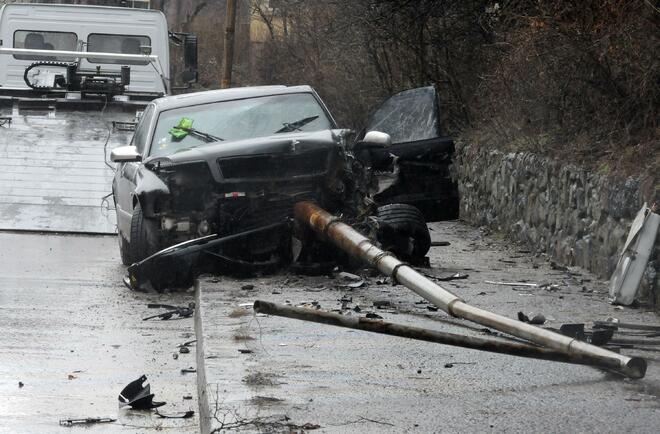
275, 144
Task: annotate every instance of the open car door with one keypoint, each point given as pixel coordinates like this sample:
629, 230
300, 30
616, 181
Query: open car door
412, 119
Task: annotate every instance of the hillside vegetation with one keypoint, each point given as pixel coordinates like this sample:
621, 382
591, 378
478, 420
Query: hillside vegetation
576, 79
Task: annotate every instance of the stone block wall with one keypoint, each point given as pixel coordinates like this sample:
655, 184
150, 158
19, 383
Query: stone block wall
576, 216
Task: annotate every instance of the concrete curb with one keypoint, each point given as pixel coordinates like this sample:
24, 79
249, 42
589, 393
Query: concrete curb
202, 395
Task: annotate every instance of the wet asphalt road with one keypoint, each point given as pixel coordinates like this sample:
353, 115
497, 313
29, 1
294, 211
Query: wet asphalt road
73, 335
266, 373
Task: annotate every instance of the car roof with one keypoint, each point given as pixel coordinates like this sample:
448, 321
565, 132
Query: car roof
211, 96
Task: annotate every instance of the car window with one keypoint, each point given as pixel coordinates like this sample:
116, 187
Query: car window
142, 130
121, 44
39, 40
408, 116
238, 120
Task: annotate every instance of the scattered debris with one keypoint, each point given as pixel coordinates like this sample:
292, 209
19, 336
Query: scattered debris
452, 276
372, 315
20, 384
451, 365
181, 312
190, 370
186, 415
188, 343
349, 276
260, 379
354, 281
187, 397
440, 243
86, 421
533, 285
379, 304
616, 324
245, 351
596, 337
549, 286
265, 400
535, 320
247, 287
138, 396
184, 350
556, 266
432, 308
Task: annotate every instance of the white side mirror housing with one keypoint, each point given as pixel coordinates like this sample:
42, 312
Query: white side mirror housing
377, 138
125, 154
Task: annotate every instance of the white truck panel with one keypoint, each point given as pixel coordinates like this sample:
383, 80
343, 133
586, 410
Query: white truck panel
83, 21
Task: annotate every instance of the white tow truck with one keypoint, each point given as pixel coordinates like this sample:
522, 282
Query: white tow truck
73, 81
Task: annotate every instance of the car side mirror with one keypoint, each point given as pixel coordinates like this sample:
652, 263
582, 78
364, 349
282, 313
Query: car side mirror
377, 139
189, 75
125, 154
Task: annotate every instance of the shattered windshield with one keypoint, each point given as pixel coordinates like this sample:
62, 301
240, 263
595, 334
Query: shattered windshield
191, 127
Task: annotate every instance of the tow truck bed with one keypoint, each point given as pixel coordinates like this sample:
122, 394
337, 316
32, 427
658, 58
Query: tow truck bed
52, 171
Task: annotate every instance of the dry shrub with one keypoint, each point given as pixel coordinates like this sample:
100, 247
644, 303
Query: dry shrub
577, 79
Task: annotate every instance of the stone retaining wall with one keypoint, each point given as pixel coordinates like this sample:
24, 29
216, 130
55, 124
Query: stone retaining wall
575, 216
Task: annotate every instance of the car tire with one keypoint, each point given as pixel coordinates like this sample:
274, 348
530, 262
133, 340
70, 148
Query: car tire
124, 250
403, 231
144, 234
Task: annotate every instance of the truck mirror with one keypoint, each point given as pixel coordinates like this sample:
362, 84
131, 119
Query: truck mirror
190, 58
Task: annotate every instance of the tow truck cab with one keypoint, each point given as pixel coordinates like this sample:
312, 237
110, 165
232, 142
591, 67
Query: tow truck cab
99, 29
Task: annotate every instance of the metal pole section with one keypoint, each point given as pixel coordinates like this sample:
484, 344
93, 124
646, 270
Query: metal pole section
228, 60
79, 54
472, 342
356, 244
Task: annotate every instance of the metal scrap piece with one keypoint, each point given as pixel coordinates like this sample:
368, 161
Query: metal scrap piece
86, 421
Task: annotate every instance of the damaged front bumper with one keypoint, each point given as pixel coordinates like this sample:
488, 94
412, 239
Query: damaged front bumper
177, 266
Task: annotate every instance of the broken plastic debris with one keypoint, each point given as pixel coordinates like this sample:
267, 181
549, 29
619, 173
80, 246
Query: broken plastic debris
186, 415
86, 421
138, 396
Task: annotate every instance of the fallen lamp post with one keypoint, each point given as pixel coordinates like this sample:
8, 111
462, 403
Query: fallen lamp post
417, 333
359, 246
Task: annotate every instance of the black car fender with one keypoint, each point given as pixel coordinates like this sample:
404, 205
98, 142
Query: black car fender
149, 189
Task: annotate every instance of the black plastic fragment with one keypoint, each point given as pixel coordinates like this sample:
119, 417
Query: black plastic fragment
187, 415
138, 396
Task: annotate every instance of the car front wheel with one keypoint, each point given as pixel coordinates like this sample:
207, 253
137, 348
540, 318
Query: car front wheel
144, 236
403, 231
124, 250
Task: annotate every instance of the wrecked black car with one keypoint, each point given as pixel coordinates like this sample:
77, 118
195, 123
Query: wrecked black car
215, 175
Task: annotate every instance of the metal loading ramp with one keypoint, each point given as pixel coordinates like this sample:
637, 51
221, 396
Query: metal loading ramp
53, 175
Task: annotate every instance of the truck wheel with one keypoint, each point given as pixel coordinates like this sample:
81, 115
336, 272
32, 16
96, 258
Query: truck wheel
403, 231
124, 250
144, 236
